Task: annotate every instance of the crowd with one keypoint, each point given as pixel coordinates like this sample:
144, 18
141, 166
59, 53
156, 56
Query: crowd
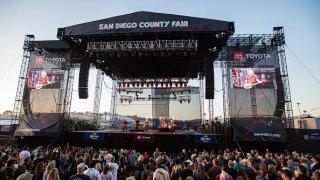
76, 163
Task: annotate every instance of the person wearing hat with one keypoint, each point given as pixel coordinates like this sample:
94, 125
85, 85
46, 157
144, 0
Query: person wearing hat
80, 175
286, 174
160, 173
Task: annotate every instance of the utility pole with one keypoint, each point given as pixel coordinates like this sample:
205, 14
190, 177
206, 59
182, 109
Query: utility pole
300, 121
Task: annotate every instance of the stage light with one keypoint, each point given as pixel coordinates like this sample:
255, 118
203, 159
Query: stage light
185, 53
140, 54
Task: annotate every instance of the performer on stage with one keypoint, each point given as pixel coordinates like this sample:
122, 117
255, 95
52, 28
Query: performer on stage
125, 124
145, 126
137, 123
165, 123
171, 125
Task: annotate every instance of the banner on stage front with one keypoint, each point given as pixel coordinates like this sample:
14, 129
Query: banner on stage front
93, 136
205, 138
144, 138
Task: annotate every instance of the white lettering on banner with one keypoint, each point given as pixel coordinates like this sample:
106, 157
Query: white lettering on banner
153, 24
126, 25
258, 56
106, 26
179, 24
267, 134
55, 60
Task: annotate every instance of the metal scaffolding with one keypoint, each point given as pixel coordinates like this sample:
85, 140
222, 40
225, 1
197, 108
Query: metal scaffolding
22, 79
113, 99
157, 45
279, 41
68, 94
97, 96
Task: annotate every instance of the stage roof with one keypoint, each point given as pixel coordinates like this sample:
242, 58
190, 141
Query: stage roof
142, 22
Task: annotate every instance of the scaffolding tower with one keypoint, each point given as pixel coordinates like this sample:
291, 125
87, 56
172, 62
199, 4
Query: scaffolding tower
97, 97
22, 79
113, 99
279, 41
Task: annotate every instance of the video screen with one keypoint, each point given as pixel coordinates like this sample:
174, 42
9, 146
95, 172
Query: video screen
42, 79
247, 78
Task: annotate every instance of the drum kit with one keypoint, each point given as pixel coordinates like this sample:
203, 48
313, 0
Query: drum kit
167, 123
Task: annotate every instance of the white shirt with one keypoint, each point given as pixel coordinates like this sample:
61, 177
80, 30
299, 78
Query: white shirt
114, 170
92, 173
107, 176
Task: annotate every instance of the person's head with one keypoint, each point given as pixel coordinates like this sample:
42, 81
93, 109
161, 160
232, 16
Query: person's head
315, 159
39, 168
43, 73
230, 163
315, 175
92, 164
286, 174
106, 169
49, 167
81, 168
250, 72
302, 169
159, 162
224, 176
53, 174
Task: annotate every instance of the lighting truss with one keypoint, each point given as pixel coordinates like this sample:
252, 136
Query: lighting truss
180, 98
130, 90
180, 90
156, 45
184, 98
168, 82
126, 98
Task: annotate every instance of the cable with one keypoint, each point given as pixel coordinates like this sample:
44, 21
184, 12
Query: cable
11, 66
305, 67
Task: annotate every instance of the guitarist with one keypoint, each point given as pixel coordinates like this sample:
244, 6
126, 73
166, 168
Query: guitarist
251, 79
43, 80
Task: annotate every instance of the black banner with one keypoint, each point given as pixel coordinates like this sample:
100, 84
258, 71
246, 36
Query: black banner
147, 22
259, 129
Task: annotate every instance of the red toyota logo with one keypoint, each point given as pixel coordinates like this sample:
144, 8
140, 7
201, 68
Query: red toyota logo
237, 55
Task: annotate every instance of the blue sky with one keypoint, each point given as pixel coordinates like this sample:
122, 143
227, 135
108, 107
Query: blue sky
42, 18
